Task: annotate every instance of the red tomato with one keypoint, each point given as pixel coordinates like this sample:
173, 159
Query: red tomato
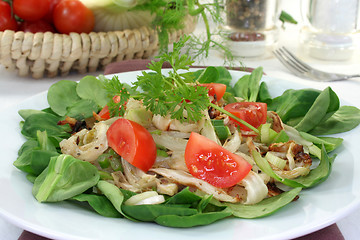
31, 10
105, 113
7, 22
214, 164
215, 89
37, 26
49, 15
132, 142
73, 16
254, 113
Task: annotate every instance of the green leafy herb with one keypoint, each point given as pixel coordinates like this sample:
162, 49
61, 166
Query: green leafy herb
115, 88
172, 15
172, 93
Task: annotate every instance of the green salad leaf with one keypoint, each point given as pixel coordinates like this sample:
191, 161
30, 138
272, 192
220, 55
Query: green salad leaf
99, 203
82, 109
35, 154
265, 207
115, 196
44, 122
248, 86
326, 102
62, 95
344, 119
198, 219
330, 143
65, 177
92, 89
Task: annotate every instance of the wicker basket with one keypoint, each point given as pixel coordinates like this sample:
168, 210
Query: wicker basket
51, 54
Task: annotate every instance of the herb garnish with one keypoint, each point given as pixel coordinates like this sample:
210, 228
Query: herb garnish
171, 15
176, 93
115, 89
173, 93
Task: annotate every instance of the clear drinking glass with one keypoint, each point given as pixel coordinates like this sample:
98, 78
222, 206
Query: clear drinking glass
331, 28
252, 25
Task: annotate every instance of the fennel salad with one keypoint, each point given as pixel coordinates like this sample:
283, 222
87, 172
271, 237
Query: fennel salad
181, 149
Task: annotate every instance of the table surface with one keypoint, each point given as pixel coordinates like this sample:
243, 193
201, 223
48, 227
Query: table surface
14, 89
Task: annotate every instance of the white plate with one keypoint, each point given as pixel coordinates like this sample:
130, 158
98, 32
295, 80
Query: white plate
316, 208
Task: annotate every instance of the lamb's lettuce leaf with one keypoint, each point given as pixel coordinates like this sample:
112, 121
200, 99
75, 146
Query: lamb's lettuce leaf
65, 177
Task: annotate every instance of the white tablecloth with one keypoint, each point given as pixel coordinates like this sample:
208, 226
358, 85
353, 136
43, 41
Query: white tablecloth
14, 89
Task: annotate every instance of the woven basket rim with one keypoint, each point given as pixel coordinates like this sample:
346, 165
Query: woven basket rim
53, 54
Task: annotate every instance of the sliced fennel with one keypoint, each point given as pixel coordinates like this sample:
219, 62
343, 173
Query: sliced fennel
316, 175
276, 161
115, 5
308, 146
115, 15
255, 188
106, 20
150, 197
267, 135
208, 131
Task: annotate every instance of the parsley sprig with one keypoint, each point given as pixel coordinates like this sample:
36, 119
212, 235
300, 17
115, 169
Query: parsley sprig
172, 94
118, 92
175, 93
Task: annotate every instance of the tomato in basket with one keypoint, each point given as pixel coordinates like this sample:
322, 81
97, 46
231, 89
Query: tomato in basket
73, 16
37, 26
7, 21
31, 10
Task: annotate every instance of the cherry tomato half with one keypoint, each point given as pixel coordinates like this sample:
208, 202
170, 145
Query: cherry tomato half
105, 112
7, 22
133, 143
215, 89
73, 16
254, 113
37, 26
31, 10
212, 163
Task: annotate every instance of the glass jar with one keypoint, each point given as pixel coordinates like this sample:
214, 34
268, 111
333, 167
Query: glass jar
331, 28
251, 25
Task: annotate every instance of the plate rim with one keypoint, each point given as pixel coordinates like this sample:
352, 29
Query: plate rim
45, 232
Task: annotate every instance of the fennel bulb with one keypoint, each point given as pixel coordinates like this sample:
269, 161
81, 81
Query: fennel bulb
116, 15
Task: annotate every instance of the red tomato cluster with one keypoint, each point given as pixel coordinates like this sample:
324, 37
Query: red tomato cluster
63, 16
7, 21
